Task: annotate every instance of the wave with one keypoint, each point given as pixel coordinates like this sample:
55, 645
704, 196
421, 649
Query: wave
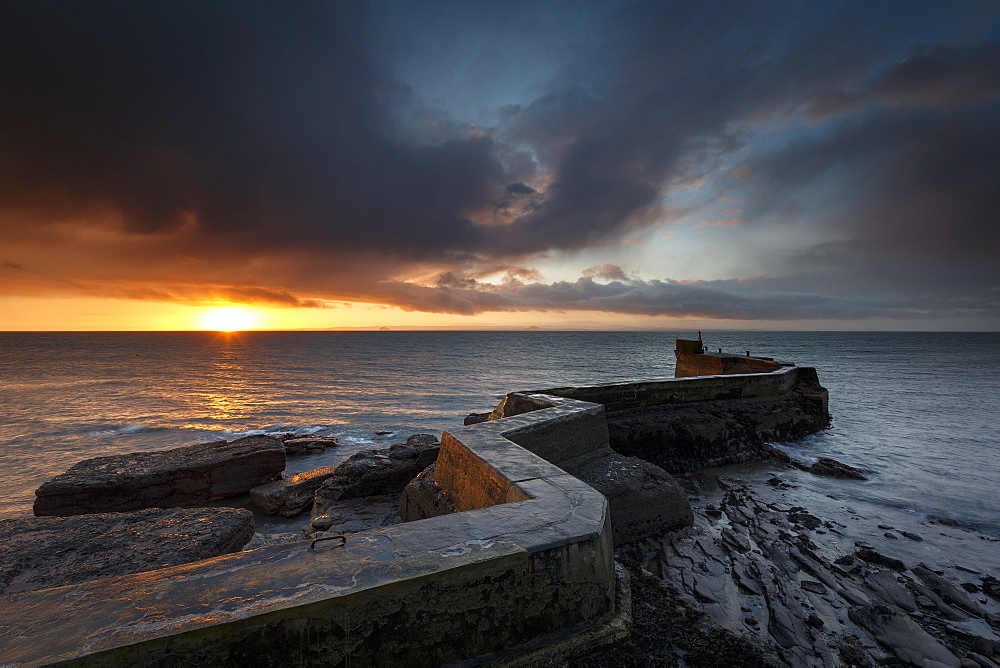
123, 430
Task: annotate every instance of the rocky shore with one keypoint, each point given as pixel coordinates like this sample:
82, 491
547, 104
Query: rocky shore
756, 574
760, 580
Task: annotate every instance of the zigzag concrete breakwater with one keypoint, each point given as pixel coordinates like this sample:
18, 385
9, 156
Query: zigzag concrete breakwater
523, 573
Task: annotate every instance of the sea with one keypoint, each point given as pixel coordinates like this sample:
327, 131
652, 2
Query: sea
917, 411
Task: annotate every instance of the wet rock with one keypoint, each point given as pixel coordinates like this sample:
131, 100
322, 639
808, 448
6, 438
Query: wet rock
886, 588
879, 559
901, 635
476, 418
911, 536
187, 476
265, 539
768, 451
991, 587
375, 472
814, 621
351, 516
827, 466
948, 592
981, 661
308, 445
814, 587
424, 441
981, 645
422, 498
804, 519
290, 496
852, 652
41, 552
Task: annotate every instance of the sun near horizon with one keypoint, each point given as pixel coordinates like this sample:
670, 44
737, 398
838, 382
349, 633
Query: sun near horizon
228, 319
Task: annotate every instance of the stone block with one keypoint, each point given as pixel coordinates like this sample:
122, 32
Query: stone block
191, 475
375, 472
423, 498
290, 496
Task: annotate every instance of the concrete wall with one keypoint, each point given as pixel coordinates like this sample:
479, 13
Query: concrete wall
714, 364
531, 559
694, 360
686, 390
685, 424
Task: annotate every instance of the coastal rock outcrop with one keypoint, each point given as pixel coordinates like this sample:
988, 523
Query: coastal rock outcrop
191, 475
304, 445
476, 418
41, 552
353, 515
290, 496
827, 466
778, 575
376, 472
423, 498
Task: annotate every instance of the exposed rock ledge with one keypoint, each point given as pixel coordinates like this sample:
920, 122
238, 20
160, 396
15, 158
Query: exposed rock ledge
780, 586
191, 475
370, 473
40, 552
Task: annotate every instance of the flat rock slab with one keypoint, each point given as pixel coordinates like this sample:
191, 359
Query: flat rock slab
42, 552
309, 445
290, 496
344, 517
372, 472
191, 475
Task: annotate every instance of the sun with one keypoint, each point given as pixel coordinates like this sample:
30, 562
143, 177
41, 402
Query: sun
228, 319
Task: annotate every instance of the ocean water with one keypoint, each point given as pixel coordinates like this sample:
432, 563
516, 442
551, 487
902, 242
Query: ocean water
917, 410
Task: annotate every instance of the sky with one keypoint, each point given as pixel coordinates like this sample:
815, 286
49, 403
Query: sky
596, 165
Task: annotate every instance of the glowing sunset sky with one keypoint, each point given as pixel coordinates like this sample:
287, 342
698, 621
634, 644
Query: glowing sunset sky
697, 165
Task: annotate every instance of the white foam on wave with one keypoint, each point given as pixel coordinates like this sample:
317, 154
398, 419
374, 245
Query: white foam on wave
122, 430
274, 430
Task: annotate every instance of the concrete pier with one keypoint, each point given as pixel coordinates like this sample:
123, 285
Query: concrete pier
525, 568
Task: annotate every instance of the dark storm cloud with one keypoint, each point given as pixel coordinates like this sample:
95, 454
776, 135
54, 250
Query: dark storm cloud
728, 300
923, 192
939, 76
271, 125
268, 128
681, 87
263, 121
